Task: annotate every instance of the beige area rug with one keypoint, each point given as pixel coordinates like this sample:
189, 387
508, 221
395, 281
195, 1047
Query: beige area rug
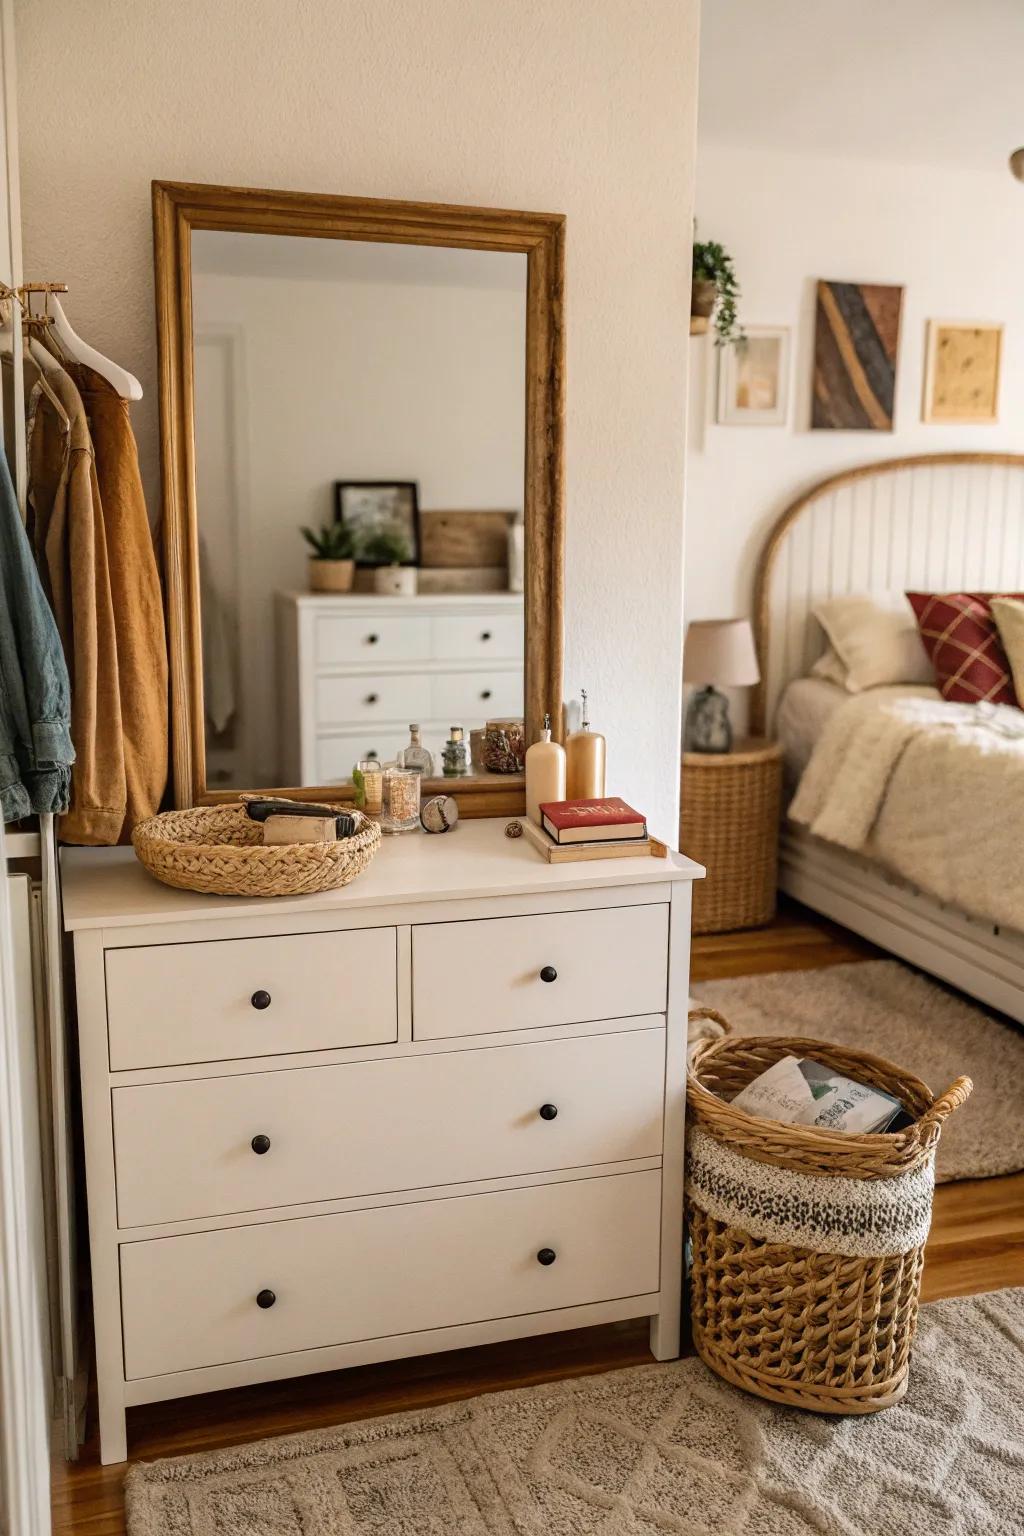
884, 1007
662, 1450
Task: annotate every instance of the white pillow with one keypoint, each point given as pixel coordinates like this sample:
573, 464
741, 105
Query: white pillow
1008, 613
876, 640
829, 666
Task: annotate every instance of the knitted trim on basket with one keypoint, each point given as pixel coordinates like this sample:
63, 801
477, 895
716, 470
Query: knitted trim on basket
860, 1218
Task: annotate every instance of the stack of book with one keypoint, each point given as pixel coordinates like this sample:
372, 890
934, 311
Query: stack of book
591, 829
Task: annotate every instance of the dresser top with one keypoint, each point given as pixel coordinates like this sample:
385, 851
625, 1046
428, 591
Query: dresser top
108, 887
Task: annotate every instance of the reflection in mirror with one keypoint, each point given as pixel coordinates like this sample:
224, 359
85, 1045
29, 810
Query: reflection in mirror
373, 394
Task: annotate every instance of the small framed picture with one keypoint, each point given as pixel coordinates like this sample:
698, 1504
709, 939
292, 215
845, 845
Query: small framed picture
753, 379
961, 372
372, 508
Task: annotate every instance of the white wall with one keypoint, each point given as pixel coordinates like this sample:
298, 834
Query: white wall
953, 235
513, 103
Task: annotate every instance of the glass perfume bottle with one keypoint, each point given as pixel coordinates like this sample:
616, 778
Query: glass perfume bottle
415, 756
454, 757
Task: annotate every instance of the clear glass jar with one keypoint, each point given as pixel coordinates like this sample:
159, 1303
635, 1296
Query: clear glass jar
401, 808
372, 771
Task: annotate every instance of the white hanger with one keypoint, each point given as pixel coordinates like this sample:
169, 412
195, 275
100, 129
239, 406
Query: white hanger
79, 351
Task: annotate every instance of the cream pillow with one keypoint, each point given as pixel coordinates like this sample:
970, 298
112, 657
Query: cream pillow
876, 639
1008, 613
830, 667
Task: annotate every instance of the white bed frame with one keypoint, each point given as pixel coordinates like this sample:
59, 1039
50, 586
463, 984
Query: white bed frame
947, 520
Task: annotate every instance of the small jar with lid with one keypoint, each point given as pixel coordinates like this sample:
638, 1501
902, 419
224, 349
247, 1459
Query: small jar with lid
400, 811
371, 771
454, 754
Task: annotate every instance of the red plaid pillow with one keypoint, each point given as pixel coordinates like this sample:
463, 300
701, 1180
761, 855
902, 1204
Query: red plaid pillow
961, 638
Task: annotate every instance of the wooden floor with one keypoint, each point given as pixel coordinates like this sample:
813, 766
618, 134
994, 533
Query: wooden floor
976, 1244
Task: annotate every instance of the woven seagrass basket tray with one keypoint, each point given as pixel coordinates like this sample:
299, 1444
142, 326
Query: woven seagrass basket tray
219, 849
829, 1331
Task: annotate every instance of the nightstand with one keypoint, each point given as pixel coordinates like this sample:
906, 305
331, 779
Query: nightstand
729, 822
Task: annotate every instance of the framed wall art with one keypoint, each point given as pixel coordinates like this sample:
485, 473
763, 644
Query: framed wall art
961, 372
856, 340
753, 378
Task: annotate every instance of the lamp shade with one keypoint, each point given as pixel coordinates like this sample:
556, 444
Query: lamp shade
721, 652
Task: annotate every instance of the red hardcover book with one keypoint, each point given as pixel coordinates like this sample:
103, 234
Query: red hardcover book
608, 820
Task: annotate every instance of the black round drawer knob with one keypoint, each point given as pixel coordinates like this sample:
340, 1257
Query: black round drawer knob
260, 1000
372, 639
372, 754
260, 1144
486, 635
266, 1299
486, 693
371, 698
548, 1111
547, 1256
549, 973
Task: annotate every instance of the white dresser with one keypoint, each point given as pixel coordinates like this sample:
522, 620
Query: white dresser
441, 1107
352, 672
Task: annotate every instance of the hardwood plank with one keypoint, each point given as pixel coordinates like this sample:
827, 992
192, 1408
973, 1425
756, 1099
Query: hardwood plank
977, 1244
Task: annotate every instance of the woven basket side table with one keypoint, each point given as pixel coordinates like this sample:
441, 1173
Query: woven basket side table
729, 822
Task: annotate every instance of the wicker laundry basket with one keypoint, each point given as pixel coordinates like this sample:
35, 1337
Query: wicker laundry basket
219, 849
729, 822
807, 1244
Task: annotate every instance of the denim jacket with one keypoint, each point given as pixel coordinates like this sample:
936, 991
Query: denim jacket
35, 695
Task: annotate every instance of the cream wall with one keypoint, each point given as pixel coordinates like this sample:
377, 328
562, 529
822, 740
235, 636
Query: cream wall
587, 110
953, 235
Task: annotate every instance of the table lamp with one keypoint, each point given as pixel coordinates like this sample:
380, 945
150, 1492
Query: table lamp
716, 651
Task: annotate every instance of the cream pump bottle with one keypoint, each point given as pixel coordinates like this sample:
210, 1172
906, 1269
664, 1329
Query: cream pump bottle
545, 773
584, 758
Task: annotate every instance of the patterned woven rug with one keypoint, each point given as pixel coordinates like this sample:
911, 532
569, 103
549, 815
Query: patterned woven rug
884, 1007
644, 1452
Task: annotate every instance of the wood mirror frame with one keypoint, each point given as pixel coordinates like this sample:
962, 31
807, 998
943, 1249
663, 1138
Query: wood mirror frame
181, 207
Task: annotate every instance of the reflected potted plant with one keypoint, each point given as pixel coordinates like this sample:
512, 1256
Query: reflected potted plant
388, 551
332, 564
714, 292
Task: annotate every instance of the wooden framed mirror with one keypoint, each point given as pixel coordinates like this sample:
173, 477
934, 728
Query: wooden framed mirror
393, 368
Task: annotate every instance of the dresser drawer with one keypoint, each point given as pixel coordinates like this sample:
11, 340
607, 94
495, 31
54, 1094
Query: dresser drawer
190, 1301
348, 700
169, 1004
364, 640
377, 1126
508, 973
482, 636
477, 695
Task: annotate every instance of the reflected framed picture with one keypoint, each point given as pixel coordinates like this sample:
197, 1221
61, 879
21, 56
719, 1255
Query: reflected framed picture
372, 508
753, 379
961, 372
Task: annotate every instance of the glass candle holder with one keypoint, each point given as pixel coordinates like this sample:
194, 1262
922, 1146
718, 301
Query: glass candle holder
401, 807
373, 785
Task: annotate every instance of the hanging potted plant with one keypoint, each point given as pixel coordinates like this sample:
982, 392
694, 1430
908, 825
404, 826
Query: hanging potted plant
388, 550
714, 291
332, 564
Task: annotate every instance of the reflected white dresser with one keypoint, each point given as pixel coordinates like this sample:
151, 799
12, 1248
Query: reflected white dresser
353, 671
440, 1107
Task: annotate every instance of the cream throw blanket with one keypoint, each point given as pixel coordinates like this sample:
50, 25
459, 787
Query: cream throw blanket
933, 790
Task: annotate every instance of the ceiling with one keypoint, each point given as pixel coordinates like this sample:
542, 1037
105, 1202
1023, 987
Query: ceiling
940, 81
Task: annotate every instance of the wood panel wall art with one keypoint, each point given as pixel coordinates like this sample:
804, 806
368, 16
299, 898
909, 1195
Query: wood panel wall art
856, 339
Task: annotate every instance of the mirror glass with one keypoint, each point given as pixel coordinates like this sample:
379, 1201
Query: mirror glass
374, 394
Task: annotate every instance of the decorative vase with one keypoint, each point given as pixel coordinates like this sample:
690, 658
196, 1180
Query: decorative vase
331, 575
703, 297
395, 580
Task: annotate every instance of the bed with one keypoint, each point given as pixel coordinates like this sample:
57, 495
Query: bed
914, 884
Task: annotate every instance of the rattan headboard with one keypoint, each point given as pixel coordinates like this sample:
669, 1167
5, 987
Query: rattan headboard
940, 520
